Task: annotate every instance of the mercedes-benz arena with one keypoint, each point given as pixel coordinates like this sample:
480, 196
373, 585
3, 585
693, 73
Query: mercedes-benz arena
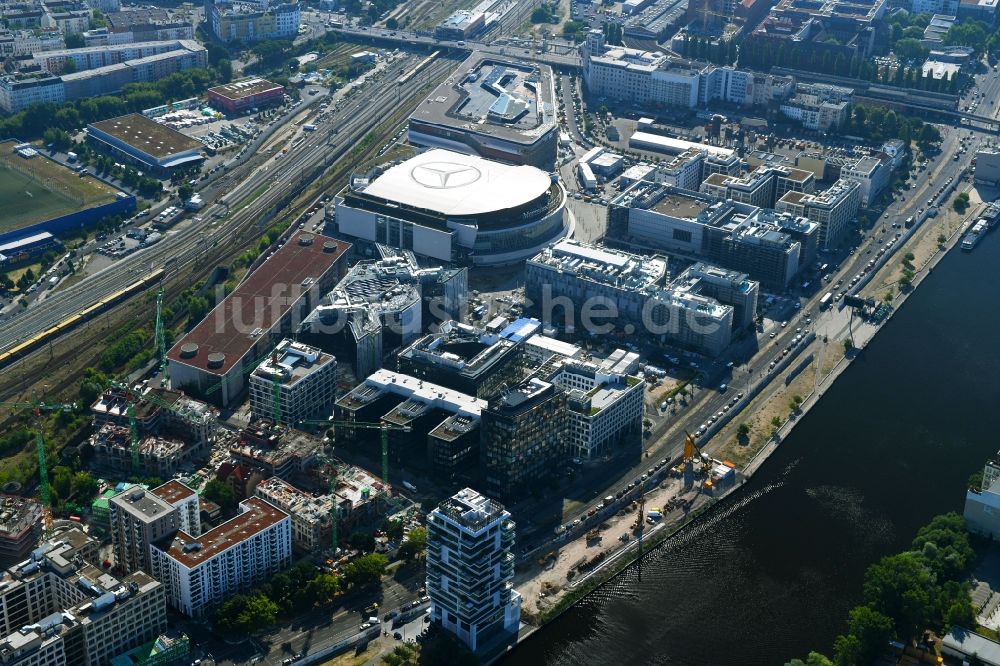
456, 207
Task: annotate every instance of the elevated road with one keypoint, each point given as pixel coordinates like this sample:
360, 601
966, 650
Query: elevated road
406, 39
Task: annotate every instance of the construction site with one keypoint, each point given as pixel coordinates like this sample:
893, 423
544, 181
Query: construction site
647, 512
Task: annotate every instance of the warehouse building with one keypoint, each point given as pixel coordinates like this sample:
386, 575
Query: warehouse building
147, 144
214, 358
245, 95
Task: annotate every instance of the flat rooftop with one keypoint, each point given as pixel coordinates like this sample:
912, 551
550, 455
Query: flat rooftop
667, 144
147, 135
681, 207
386, 382
257, 516
473, 99
234, 326
173, 491
244, 88
142, 504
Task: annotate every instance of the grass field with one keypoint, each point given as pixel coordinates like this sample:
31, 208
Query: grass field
39, 189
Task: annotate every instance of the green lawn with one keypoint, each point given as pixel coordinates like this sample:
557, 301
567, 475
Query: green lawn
39, 189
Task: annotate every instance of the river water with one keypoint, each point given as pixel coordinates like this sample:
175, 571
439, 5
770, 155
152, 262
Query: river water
771, 573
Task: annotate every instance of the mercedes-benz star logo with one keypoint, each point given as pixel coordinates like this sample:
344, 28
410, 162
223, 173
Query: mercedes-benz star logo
444, 175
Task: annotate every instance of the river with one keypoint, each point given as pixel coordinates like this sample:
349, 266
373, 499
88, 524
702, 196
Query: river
771, 573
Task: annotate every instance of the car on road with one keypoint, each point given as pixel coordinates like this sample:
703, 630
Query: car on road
398, 636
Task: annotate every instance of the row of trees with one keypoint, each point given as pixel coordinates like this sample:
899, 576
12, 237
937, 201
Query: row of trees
760, 54
922, 588
721, 52
877, 123
296, 590
72, 116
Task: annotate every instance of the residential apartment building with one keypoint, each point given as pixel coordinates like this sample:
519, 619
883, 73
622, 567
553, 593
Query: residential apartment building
470, 568
818, 106
834, 210
295, 383
139, 518
201, 572
112, 78
20, 43
250, 22
94, 57
59, 609
311, 514
524, 437
19, 91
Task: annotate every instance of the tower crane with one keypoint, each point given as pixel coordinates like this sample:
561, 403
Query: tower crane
37, 407
384, 427
161, 339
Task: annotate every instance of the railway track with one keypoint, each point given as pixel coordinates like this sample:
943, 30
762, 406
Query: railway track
195, 251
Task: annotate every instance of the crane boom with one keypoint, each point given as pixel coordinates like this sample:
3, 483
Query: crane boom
37, 407
383, 426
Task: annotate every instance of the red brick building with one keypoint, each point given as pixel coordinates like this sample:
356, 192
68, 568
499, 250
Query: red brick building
241, 96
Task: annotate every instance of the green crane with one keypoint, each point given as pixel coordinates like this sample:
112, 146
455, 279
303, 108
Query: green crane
161, 340
333, 501
383, 426
37, 407
134, 397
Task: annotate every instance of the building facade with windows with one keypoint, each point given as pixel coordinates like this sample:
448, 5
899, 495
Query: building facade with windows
201, 572
470, 569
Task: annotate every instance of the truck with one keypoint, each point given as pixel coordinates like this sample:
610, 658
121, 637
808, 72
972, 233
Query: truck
71, 157
826, 300
409, 486
308, 127
53, 281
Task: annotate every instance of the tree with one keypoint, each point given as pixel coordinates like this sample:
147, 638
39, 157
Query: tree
392, 23
898, 586
197, 307
246, 613
952, 550
365, 570
848, 345
941, 239
415, 544
362, 541
847, 650
322, 589
185, 191
393, 528
872, 629
743, 430
91, 386
84, 487
74, 41
225, 67
222, 494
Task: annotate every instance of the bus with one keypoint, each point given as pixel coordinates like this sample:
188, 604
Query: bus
824, 302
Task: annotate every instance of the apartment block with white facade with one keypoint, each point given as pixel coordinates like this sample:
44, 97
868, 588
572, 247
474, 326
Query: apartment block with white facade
470, 569
18, 91
605, 409
297, 380
872, 174
202, 572
833, 209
